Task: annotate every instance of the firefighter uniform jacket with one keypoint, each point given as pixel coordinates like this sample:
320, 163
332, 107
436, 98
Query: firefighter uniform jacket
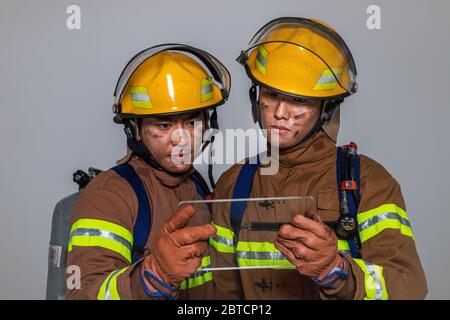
101, 235
389, 267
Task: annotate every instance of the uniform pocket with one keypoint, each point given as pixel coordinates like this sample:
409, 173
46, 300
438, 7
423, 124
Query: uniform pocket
328, 205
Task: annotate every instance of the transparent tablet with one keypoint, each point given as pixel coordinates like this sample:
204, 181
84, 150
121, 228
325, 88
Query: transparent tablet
260, 224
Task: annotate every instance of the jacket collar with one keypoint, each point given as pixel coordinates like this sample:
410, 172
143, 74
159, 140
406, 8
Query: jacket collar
315, 149
166, 178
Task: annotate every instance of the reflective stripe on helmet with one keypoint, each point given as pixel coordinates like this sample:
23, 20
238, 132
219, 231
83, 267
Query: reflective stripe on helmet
327, 80
207, 89
261, 60
140, 97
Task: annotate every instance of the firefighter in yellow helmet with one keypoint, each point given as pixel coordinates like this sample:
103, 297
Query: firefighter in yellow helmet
355, 241
128, 235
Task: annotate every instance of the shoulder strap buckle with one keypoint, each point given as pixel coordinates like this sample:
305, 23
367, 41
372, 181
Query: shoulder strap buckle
349, 185
352, 147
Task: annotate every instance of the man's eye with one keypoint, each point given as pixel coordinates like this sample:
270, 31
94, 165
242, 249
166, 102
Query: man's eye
273, 94
164, 126
190, 123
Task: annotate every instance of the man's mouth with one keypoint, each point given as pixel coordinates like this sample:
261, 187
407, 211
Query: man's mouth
281, 129
178, 157
180, 153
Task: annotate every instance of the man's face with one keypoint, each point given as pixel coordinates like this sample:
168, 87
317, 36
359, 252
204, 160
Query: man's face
170, 139
291, 118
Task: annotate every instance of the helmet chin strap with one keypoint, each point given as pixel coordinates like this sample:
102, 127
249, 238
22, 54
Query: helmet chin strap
328, 107
140, 149
253, 94
213, 124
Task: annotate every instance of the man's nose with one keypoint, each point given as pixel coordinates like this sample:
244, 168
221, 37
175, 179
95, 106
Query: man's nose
281, 110
180, 137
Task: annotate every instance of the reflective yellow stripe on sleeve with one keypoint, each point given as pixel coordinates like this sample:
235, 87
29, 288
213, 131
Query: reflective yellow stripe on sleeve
223, 241
261, 254
199, 277
374, 283
256, 253
108, 289
265, 254
100, 233
343, 246
386, 216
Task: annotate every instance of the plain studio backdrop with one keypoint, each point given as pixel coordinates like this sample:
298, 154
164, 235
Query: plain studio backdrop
57, 85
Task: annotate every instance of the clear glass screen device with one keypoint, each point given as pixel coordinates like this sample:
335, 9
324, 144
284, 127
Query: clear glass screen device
258, 227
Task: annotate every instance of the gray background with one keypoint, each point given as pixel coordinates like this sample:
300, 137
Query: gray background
56, 94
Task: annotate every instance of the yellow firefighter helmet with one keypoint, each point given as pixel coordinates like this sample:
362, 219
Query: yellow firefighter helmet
170, 79
301, 57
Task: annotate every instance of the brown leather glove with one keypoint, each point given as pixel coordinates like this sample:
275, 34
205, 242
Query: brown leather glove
179, 249
310, 246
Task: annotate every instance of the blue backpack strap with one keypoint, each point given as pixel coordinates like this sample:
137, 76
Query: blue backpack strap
242, 189
348, 180
356, 166
143, 225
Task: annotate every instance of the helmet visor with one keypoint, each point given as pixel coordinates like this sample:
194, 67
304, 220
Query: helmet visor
312, 36
213, 66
